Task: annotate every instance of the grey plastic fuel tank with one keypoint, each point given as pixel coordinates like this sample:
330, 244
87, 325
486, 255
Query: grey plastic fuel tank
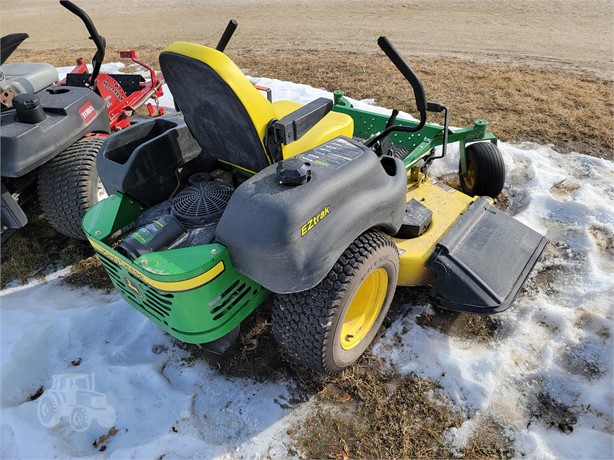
286, 226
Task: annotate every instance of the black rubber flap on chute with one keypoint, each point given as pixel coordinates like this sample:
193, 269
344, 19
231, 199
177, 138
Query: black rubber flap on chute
483, 261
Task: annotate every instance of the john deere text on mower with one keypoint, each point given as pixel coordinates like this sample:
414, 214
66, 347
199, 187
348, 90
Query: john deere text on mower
248, 198
52, 131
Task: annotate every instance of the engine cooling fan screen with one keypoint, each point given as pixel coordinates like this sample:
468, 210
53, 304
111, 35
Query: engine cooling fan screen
202, 203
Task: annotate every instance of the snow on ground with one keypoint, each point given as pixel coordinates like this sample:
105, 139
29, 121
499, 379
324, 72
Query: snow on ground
550, 364
546, 375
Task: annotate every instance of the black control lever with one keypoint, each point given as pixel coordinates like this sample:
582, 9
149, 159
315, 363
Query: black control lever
393, 118
227, 35
416, 85
98, 39
406, 71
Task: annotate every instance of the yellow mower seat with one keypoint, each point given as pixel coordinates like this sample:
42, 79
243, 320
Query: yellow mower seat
227, 116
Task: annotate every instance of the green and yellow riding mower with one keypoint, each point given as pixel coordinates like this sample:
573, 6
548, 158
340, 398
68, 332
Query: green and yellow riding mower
323, 206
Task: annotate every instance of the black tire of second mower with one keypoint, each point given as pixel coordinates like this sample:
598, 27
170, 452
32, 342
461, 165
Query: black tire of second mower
308, 324
489, 170
68, 186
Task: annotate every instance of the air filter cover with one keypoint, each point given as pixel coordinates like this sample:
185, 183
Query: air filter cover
202, 203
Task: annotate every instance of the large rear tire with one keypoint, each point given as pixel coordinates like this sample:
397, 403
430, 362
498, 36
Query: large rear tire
485, 170
68, 186
328, 327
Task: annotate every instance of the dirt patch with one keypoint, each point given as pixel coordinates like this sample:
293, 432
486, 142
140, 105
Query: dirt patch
562, 190
101, 442
553, 414
583, 359
89, 272
548, 278
604, 239
567, 34
588, 321
480, 328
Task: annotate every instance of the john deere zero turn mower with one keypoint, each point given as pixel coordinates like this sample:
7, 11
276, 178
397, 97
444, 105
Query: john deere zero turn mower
239, 198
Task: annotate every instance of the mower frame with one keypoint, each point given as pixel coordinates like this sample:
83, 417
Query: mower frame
420, 143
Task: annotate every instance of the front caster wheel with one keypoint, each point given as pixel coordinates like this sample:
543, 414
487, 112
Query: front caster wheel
485, 170
328, 327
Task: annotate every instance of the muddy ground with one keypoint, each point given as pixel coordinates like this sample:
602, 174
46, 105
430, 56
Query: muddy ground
569, 34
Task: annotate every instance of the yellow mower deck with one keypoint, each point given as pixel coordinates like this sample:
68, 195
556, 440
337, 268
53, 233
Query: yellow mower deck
474, 257
447, 205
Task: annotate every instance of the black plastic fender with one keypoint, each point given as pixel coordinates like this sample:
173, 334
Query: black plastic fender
142, 160
288, 237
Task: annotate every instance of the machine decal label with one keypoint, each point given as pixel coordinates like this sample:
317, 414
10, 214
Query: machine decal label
113, 89
110, 90
333, 154
87, 112
443, 186
315, 220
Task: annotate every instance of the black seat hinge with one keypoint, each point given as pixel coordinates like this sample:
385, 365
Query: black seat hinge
294, 125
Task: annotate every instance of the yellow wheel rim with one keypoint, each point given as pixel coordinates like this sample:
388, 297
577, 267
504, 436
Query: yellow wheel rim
471, 172
364, 309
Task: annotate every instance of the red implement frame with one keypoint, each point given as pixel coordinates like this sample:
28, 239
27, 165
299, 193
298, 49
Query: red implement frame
120, 105
121, 111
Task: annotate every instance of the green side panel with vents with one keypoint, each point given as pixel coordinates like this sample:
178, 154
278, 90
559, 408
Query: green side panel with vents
194, 294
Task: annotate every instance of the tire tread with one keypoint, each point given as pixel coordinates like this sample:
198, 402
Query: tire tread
490, 170
65, 186
301, 320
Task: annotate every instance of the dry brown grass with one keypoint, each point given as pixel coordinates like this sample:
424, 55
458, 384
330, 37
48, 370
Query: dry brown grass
368, 412
89, 272
571, 110
35, 248
575, 112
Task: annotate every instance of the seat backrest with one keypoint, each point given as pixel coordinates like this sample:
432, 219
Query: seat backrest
227, 116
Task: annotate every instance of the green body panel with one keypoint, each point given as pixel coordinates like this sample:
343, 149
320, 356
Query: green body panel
115, 216
420, 143
192, 310
178, 264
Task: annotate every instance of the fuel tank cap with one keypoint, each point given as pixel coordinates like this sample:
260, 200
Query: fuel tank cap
293, 171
